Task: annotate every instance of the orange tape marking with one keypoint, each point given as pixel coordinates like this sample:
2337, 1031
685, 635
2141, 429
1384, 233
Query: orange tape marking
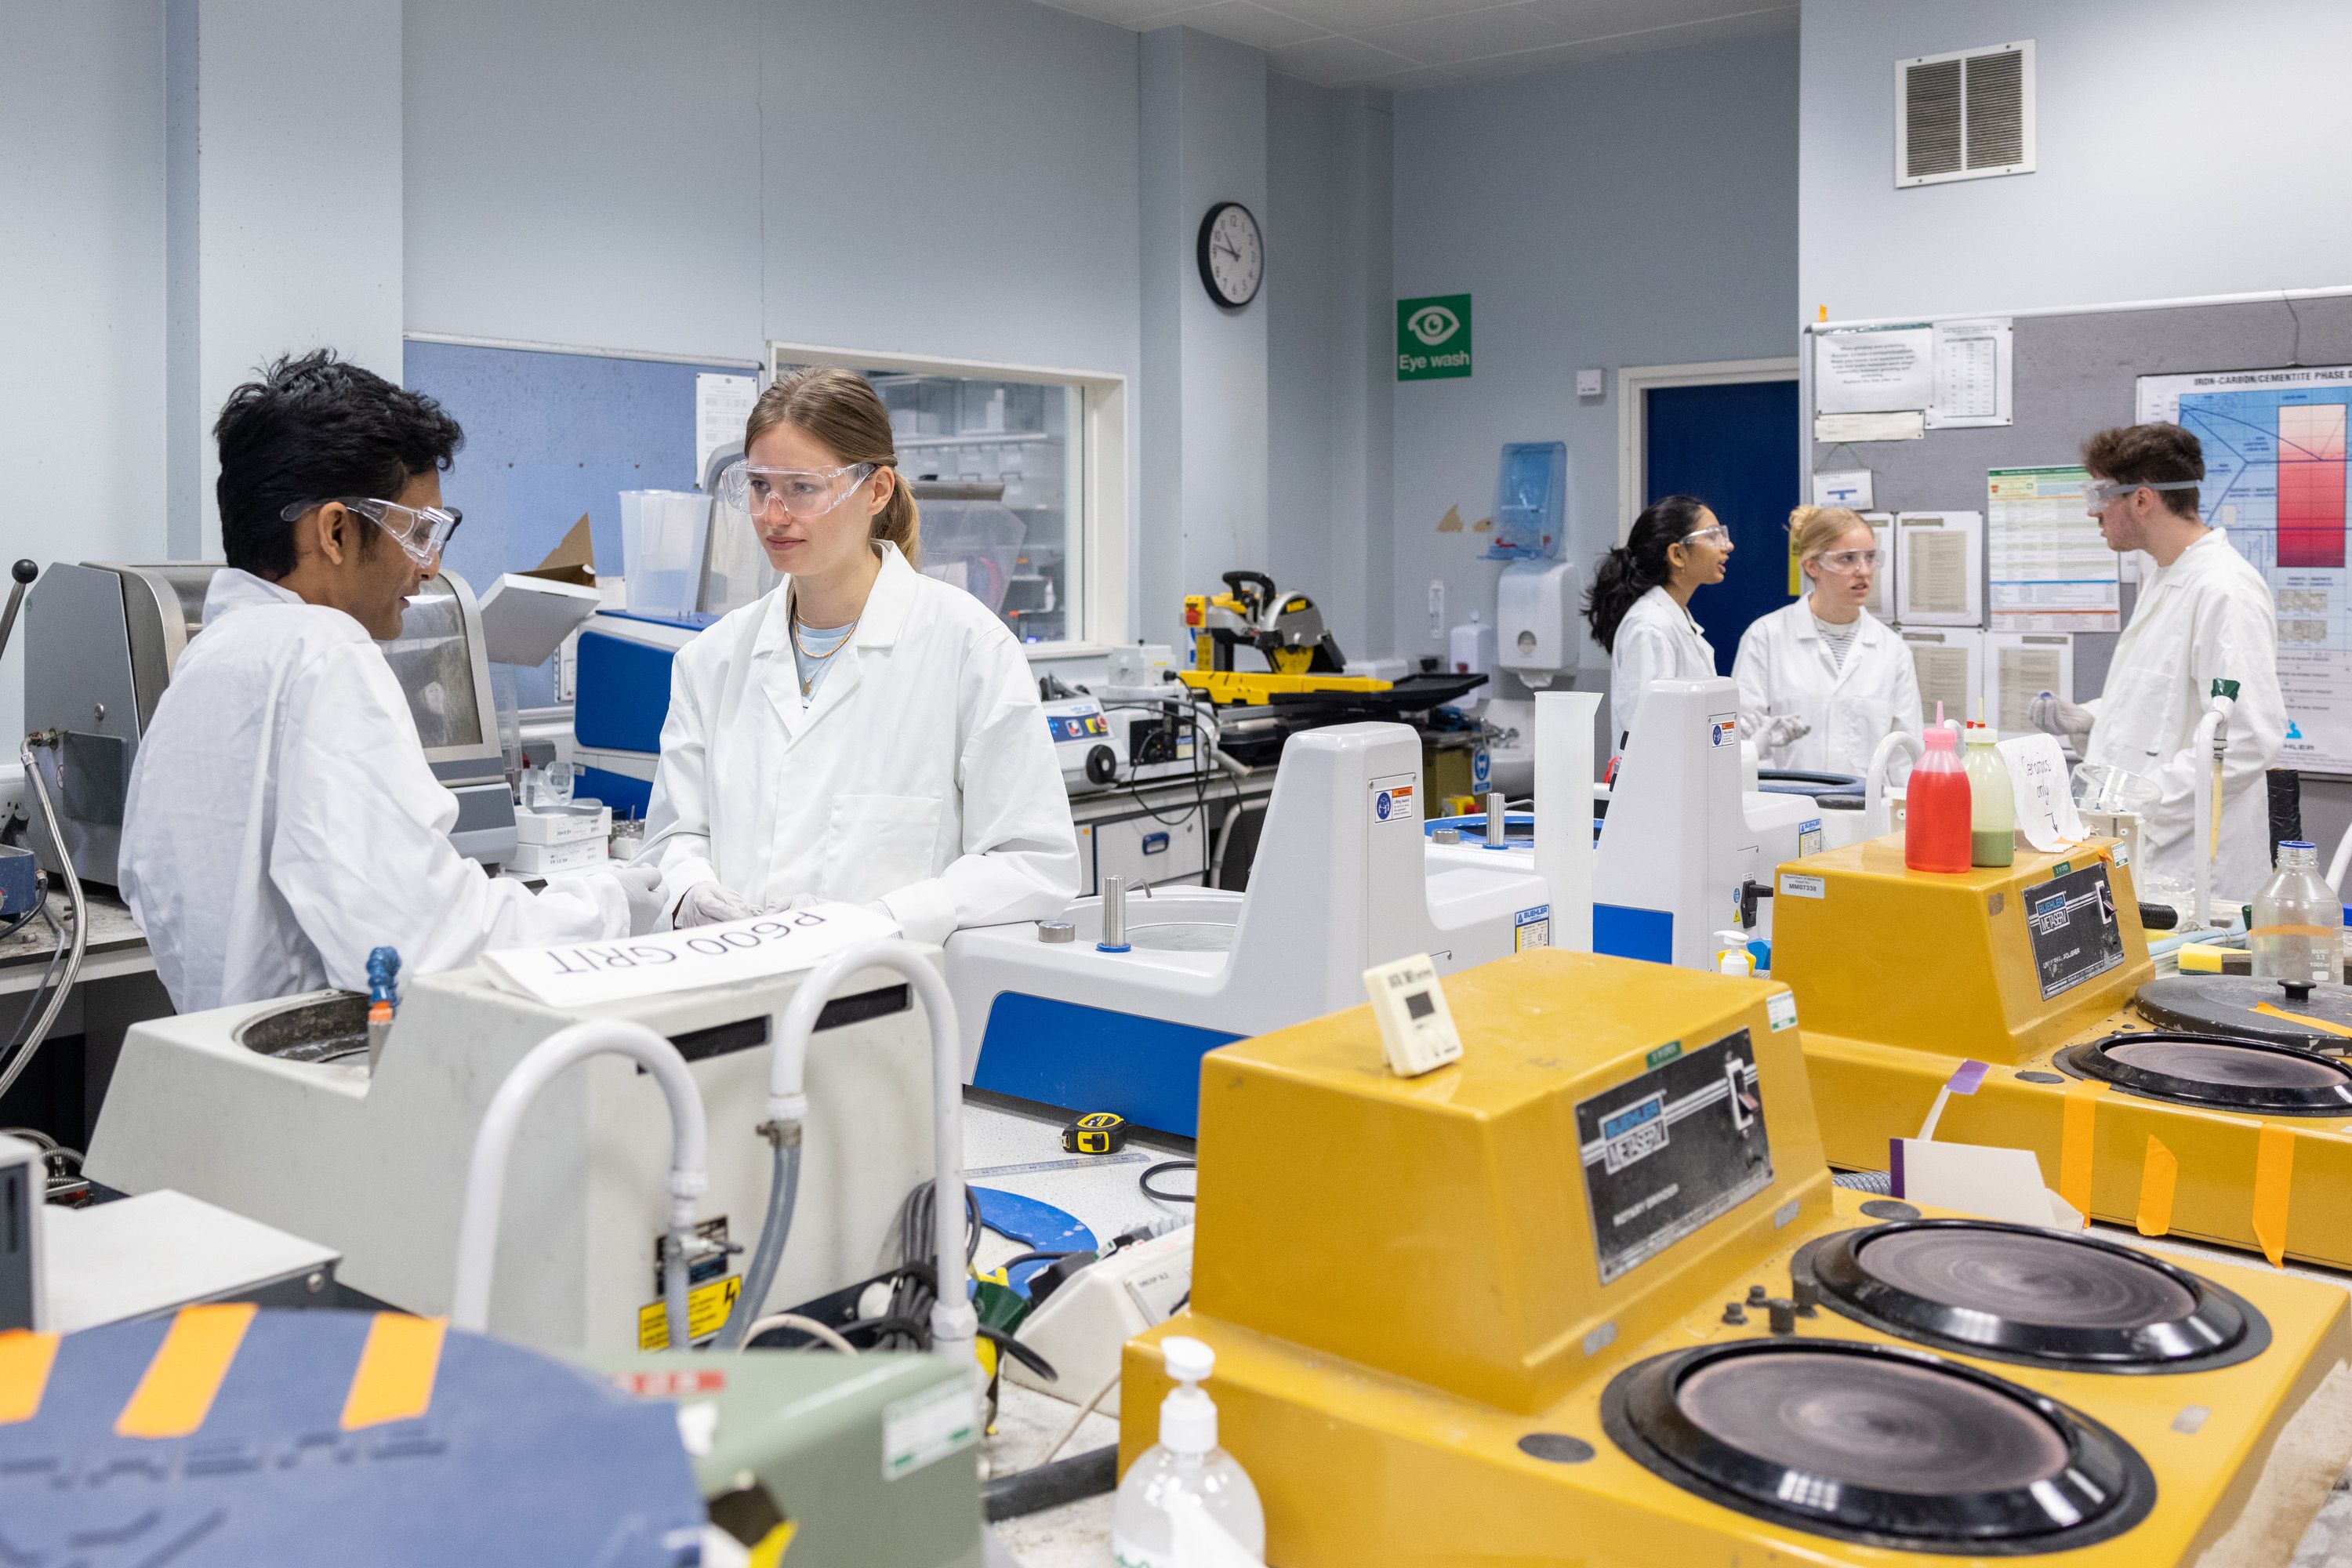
2077, 1143
2305, 1019
176, 1393
2160, 1173
26, 1358
397, 1366
2273, 1179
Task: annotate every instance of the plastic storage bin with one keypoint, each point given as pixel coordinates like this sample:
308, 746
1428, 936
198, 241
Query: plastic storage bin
663, 536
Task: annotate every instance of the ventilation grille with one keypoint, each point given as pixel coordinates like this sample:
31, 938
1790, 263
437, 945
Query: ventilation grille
1964, 116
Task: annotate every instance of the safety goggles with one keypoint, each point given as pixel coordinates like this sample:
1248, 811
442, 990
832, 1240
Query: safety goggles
2100, 494
1718, 535
801, 492
1845, 563
422, 532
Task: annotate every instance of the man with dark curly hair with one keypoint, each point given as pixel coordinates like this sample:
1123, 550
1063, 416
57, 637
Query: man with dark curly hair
282, 820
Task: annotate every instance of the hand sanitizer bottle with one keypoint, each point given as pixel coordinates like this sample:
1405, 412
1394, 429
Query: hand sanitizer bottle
1184, 1486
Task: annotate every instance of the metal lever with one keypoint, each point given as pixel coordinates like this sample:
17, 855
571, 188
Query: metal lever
23, 571
1113, 916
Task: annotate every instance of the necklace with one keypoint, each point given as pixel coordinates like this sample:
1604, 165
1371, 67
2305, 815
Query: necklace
808, 684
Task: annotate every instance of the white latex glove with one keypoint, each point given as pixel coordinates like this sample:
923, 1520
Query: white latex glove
710, 904
2053, 715
642, 886
1783, 730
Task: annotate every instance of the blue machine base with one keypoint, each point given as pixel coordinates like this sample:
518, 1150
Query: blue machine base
628, 797
1092, 1058
1624, 932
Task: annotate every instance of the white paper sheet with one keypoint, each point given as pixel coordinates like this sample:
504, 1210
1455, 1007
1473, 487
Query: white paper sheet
2018, 667
1844, 486
1942, 568
2048, 570
1907, 426
1884, 593
1950, 667
1979, 1179
1972, 374
721, 405
1876, 370
2045, 809
582, 973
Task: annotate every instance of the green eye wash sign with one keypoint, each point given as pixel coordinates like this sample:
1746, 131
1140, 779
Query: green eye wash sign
1433, 337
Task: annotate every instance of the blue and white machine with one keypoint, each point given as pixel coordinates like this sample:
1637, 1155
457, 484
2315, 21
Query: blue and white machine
1341, 882
620, 698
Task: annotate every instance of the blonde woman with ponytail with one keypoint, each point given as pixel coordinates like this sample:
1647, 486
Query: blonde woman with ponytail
1822, 681
863, 733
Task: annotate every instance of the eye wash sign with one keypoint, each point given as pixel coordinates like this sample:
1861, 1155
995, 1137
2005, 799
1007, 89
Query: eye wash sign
1433, 337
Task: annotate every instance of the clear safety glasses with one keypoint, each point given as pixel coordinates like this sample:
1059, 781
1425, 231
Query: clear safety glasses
2100, 494
1718, 536
1846, 563
801, 492
422, 532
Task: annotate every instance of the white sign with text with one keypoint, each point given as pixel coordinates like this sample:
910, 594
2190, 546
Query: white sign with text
2046, 807
578, 974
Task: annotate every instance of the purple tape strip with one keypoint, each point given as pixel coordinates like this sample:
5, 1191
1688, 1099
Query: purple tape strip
1970, 1077
1895, 1167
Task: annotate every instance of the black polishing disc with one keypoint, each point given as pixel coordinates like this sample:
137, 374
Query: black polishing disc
1877, 1444
2036, 1297
2229, 1004
2218, 1071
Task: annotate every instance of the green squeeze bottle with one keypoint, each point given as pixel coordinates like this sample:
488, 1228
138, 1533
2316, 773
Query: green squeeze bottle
1992, 809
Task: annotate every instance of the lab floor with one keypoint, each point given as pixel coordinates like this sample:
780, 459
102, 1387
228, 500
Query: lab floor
1000, 1140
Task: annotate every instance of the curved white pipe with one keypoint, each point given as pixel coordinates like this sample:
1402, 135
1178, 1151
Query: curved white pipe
2210, 720
2342, 863
485, 1178
1875, 822
954, 1325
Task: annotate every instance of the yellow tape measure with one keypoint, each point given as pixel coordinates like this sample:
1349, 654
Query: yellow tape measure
1098, 1132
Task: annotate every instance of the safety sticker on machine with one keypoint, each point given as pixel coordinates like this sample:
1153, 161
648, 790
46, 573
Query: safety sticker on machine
1531, 928
1667, 1151
1809, 836
1392, 799
1722, 729
926, 1428
707, 1306
1782, 1009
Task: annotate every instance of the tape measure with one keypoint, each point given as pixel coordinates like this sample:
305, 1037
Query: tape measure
1098, 1132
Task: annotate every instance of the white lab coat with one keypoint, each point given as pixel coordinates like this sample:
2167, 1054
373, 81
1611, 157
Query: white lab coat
1785, 667
281, 819
2208, 614
1657, 640
922, 774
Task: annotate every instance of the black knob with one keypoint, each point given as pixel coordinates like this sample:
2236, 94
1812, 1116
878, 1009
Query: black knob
1733, 1315
1102, 766
1806, 1292
1783, 1315
24, 571
2297, 990
1756, 1295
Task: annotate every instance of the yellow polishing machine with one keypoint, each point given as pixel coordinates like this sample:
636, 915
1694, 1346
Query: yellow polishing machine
1587, 1295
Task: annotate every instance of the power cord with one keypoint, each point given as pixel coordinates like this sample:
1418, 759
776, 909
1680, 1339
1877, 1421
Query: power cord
1144, 1181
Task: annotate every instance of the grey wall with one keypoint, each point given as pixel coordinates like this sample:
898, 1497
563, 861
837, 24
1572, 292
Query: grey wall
81, 317
2185, 148
1636, 210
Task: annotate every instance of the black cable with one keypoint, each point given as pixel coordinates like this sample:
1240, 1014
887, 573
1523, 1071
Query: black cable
1144, 1181
1041, 1487
1010, 1264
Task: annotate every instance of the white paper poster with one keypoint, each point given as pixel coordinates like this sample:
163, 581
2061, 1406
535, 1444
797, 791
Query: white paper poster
1884, 593
582, 973
1909, 425
1950, 667
722, 405
1972, 374
1844, 486
2020, 666
2048, 568
1941, 568
2046, 814
1875, 370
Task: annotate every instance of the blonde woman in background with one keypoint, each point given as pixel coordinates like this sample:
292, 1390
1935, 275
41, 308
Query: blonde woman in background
862, 733
1822, 681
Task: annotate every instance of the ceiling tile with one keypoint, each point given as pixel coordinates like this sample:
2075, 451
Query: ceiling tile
1242, 22
1120, 13
1614, 18
1747, 26
1337, 61
1472, 36
1418, 76
1358, 15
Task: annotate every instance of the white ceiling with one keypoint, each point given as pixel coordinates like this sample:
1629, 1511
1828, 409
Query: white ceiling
1428, 43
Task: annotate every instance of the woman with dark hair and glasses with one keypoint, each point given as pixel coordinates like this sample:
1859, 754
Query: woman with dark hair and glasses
1639, 604
1822, 681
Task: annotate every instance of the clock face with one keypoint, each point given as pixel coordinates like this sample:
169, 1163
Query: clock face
1233, 257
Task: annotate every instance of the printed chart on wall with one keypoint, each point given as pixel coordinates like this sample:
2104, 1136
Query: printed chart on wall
2047, 567
2276, 479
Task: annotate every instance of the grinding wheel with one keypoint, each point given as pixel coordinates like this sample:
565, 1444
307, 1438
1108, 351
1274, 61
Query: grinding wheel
2314, 1017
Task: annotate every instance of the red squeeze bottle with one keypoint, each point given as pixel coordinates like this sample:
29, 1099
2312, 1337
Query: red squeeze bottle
1935, 808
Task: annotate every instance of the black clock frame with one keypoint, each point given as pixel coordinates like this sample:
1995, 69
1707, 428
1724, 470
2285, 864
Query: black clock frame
1200, 255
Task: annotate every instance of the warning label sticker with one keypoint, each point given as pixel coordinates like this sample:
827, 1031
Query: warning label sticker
1392, 799
707, 1306
1531, 928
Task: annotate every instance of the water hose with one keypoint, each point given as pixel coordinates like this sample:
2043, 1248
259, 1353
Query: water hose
80, 907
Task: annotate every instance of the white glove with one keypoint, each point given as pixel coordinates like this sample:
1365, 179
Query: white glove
2053, 715
710, 904
643, 885
1784, 731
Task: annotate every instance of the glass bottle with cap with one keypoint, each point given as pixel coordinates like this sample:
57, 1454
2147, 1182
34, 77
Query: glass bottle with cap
1184, 1488
1992, 804
2298, 923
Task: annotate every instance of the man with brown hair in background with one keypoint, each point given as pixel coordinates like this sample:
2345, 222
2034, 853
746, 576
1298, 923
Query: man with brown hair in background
2205, 615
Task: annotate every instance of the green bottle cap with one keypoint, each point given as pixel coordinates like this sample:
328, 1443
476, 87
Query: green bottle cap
2228, 688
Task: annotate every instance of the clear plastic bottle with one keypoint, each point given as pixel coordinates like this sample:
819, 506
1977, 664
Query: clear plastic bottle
1183, 1470
1992, 807
2298, 923
1936, 807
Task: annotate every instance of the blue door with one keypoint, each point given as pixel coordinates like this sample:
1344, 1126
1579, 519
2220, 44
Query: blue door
1735, 448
